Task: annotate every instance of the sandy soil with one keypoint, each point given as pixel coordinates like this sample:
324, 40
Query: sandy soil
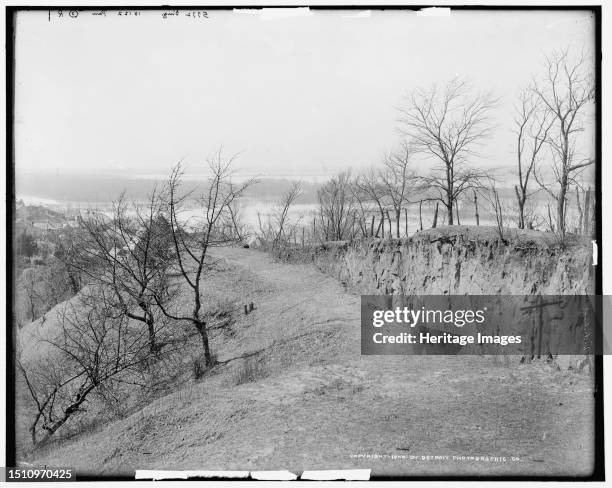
321, 405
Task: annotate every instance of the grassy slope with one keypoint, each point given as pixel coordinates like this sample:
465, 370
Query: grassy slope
318, 403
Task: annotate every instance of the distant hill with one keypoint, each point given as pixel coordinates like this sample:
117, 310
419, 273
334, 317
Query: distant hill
104, 188
94, 188
38, 214
36, 219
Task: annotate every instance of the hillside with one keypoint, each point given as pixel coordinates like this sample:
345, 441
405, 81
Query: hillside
311, 401
37, 214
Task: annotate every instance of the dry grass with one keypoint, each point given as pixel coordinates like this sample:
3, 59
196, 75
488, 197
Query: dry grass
250, 370
179, 363
307, 399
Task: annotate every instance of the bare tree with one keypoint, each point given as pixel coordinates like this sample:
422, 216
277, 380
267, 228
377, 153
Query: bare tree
277, 229
566, 90
129, 255
362, 210
370, 187
398, 180
234, 220
282, 215
491, 195
193, 239
533, 121
337, 207
448, 124
67, 254
90, 349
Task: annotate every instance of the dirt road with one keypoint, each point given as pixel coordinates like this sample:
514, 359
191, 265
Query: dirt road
319, 404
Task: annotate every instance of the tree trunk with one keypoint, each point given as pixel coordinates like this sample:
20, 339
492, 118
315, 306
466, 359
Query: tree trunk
435, 219
201, 326
398, 215
372, 226
521, 208
421, 215
450, 200
150, 321
476, 208
378, 229
449, 213
152, 340
561, 207
69, 411
587, 213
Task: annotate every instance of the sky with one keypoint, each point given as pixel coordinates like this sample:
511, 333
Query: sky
296, 96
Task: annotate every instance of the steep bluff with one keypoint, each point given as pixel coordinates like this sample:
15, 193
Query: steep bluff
460, 260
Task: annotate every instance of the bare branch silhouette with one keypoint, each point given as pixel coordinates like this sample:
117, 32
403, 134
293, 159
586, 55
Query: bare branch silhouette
449, 124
